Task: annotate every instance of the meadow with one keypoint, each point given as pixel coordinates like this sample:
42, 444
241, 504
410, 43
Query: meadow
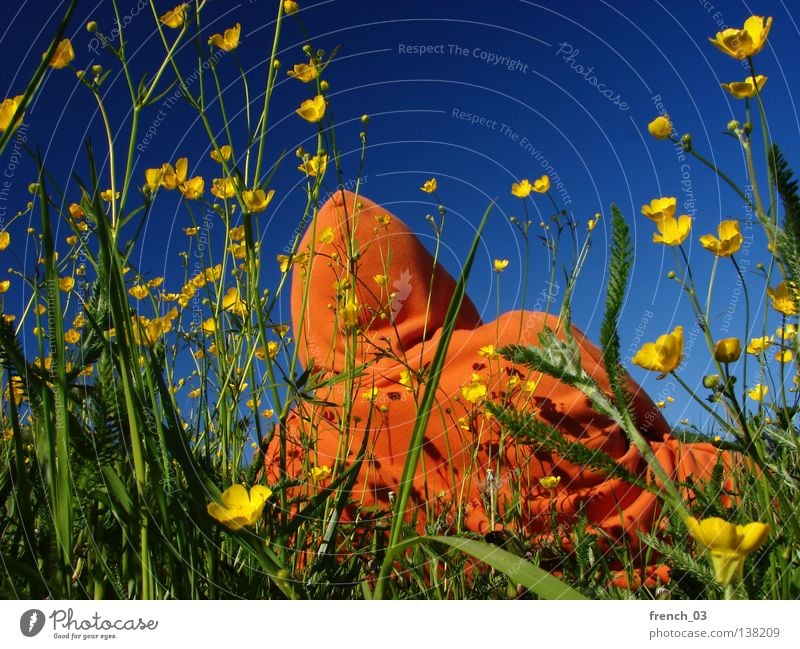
149, 422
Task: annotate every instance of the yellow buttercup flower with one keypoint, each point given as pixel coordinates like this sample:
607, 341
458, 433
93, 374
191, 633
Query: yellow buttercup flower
746, 42
664, 355
782, 301
542, 185
15, 390
787, 332
550, 482
758, 392
758, 345
287, 261
223, 155
152, 178
107, 195
326, 236
405, 379
209, 326
191, 231
522, 189
747, 88
233, 303
500, 265
429, 186
318, 473
312, 110
257, 200
304, 72
728, 544
193, 188
172, 178
351, 313
45, 363
315, 166
228, 40
237, 233
139, 291
63, 55
672, 231
488, 351
193, 394
5, 240
66, 284
290, 7
223, 188
5, 285
76, 211
727, 350
729, 242
271, 351
176, 17
370, 395
157, 328
238, 250
213, 273
784, 356
660, 128
660, 208
475, 390
7, 110
238, 508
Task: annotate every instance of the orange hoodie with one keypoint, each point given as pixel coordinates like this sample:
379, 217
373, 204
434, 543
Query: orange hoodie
469, 468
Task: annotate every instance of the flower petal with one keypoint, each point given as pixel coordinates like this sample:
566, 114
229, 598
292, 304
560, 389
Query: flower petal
259, 494
752, 536
235, 496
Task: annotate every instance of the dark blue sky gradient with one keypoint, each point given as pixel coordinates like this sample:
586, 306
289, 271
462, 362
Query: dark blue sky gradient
536, 108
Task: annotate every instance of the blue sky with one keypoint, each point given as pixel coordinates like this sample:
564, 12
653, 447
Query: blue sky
475, 94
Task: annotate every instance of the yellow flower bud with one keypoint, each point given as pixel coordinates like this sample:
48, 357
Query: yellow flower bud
727, 350
660, 128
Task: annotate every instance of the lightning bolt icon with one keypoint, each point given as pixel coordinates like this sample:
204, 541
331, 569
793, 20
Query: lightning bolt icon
32, 621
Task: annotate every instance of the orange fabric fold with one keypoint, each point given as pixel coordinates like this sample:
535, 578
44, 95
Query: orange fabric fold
470, 470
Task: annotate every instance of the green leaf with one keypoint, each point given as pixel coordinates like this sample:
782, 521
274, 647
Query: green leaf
517, 569
619, 273
787, 238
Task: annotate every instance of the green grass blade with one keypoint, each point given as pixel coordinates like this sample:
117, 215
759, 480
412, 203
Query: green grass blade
36, 81
428, 400
63, 511
520, 571
517, 569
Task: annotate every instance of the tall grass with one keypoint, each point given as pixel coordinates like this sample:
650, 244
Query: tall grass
111, 457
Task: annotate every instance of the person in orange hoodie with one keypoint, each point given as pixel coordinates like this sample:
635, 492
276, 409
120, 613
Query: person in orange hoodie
368, 305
